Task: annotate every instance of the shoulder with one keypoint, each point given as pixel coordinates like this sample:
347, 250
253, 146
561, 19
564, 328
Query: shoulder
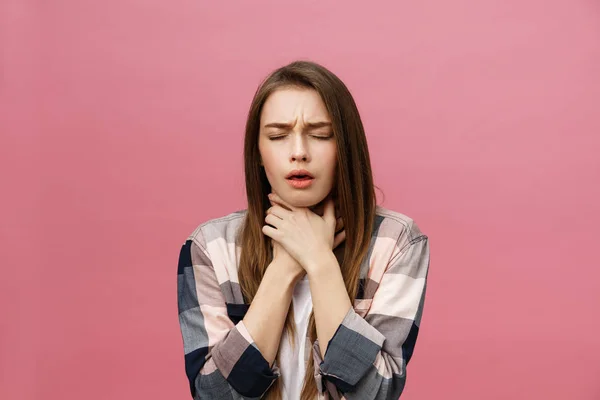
395, 234
220, 229
396, 228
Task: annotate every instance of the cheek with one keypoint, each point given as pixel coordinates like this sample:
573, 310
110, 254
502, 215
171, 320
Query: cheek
269, 160
330, 157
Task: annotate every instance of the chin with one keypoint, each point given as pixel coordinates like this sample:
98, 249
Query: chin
304, 199
301, 203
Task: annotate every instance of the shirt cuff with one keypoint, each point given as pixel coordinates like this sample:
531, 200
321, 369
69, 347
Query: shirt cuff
242, 364
350, 353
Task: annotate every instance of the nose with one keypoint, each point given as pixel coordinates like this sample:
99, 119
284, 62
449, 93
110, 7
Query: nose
299, 149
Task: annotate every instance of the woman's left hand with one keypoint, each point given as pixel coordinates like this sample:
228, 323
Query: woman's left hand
305, 235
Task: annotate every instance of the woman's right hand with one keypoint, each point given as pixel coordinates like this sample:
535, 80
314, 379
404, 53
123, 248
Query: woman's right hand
289, 263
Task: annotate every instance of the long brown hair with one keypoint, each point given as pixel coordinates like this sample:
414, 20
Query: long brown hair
354, 190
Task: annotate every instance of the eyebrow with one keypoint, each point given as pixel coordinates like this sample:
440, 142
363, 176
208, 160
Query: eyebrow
287, 125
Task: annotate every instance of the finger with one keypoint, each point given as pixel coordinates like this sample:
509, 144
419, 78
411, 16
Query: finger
273, 220
339, 224
329, 211
270, 232
278, 211
339, 238
279, 200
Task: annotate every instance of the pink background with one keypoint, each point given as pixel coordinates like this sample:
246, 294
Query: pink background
122, 126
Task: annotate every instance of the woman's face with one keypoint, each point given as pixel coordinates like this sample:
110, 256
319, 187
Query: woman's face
296, 134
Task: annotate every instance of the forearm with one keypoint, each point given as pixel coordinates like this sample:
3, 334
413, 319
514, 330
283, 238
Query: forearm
329, 296
267, 313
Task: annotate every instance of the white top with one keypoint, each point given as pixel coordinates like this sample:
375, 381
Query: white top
291, 366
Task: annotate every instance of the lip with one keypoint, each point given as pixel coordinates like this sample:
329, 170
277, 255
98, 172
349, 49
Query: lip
299, 172
300, 183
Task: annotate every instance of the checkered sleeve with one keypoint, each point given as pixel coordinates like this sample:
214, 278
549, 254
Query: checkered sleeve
221, 358
367, 357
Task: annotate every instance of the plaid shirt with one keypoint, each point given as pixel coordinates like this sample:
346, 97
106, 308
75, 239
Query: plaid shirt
368, 354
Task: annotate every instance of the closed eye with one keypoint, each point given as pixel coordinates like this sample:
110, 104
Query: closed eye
314, 136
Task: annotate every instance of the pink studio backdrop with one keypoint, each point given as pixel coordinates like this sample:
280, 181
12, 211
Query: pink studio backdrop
122, 126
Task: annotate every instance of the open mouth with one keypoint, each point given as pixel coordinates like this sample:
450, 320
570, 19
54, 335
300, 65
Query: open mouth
300, 181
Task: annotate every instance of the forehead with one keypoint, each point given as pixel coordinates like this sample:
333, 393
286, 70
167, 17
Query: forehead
285, 105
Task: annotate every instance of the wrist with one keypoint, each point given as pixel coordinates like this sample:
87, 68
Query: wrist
319, 261
282, 275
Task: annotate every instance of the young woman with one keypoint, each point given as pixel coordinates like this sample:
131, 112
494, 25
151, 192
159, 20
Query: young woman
314, 291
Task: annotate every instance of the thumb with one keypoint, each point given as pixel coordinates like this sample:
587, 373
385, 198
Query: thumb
329, 212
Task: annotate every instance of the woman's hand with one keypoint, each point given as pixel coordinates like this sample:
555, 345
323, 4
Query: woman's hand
284, 261
305, 235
